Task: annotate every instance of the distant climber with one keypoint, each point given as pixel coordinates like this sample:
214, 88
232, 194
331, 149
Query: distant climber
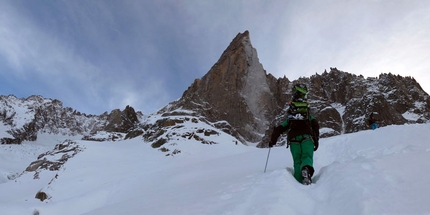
372, 121
303, 134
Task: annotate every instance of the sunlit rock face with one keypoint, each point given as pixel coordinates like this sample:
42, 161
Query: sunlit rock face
236, 90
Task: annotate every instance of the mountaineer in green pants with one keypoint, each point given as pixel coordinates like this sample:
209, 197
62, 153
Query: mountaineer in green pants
303, 134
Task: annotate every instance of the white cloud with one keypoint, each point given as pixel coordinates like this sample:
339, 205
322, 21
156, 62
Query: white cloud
30, 50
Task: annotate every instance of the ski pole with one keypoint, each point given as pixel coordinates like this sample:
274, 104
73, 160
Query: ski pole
267, 160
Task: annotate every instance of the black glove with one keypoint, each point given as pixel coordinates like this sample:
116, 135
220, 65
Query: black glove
271, 144
316, 145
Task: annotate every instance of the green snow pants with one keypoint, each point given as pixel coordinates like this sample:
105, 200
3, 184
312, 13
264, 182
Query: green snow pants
302, 150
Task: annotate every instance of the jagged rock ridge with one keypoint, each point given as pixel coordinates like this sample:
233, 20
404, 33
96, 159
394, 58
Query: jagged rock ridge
24, 118
397, 99
237, 97
342, 101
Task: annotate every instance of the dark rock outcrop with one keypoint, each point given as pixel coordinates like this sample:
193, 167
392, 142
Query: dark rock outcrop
121, 121
65, 151
41, 196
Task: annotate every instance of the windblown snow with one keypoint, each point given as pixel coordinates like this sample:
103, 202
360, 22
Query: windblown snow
256, 88
370, 172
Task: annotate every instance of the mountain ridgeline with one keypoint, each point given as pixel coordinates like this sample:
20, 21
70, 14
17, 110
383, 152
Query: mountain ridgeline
236, 96
22, 119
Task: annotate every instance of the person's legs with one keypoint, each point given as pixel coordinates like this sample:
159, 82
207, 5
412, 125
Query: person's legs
302, 156
307, 161
296, 152
307, 153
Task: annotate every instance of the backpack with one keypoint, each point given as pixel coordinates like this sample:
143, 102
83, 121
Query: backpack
373, 117
299, 106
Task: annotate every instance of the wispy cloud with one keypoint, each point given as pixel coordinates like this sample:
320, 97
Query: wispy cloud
85, 78
96, 56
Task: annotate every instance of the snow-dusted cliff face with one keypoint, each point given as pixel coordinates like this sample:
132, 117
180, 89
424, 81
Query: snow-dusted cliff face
342, 101
23, 118
350, 99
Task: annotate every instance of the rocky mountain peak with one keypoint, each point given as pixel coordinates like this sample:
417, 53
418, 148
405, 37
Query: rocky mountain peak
235, 89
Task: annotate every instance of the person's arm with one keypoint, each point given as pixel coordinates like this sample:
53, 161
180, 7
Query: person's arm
277, 131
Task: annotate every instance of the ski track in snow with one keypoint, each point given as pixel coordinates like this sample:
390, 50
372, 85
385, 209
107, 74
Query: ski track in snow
369, 172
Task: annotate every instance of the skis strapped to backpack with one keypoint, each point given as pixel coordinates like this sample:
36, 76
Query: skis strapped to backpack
299, 106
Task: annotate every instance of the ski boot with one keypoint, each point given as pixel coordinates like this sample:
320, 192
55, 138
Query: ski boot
307, 177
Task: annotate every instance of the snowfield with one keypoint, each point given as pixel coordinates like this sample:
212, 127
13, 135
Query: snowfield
370, 172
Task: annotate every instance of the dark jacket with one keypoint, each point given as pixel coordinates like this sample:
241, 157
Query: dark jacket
372, 118
296, 128
371, 121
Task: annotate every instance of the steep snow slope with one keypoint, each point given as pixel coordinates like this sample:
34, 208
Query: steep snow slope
369, 172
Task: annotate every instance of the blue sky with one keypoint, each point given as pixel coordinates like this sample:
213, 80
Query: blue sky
96, 56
